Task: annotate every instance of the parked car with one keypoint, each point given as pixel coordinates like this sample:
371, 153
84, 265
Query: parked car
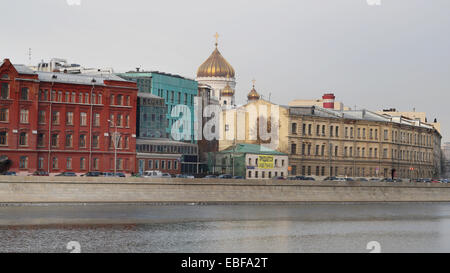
210, 177
152, 174
166, 175
426, 180
92, 174
398, 180
67, 174
40, 173
300, 177
444, 181
10, 173
279, 178
184, 176
387, 180
225, 176
292, 178
375, 180
107, 174
339, 179
349, 179
239, 177
120, 175
329, 178
308, 178
362, 179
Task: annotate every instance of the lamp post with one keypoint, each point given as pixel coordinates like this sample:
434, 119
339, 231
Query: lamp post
116, 139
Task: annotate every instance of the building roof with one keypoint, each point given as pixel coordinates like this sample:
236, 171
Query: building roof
162, 141
355, 115
146, 95
23, 69
251, 149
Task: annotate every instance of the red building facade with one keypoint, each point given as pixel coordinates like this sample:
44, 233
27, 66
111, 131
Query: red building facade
60, 122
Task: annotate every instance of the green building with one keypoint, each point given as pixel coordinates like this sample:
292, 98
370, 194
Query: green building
251, 161
174, 89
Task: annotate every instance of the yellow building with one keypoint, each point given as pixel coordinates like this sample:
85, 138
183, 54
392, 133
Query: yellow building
361, 143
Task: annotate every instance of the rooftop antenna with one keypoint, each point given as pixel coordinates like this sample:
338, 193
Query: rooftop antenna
29, 56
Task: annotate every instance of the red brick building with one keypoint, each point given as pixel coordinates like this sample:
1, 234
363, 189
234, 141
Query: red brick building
60, 122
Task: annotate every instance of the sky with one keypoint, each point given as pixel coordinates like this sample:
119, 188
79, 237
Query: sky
392, 55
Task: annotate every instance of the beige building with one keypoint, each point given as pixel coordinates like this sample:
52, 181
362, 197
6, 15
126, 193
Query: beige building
361, 143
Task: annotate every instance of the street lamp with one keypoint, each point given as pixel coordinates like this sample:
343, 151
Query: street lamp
116, 139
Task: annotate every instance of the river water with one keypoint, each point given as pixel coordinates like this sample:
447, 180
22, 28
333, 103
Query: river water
397, 227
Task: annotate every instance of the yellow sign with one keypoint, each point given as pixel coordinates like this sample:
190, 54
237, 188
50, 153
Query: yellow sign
265, 162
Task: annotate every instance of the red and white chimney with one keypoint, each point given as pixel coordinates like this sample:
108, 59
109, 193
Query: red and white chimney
328, 101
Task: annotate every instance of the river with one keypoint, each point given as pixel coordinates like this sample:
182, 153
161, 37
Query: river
397, 227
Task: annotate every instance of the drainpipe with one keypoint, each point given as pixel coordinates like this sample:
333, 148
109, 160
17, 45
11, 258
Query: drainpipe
90, 125
50, 120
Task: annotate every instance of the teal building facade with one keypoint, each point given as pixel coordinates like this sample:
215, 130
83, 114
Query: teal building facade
173, 89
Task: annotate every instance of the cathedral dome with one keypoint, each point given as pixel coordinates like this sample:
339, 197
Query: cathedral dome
253, 95
215, 66
227, 91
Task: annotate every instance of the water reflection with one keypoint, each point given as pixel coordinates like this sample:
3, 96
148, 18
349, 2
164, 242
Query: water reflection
238, 228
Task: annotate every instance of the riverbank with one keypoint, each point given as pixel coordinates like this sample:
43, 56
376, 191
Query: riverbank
210, 191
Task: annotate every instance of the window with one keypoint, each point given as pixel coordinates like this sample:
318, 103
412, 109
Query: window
337, 131
4, 114
293, 149
41, 117
150, 164
60, 96
127, 141
3, 138
5, 90
23, 139
128, 100
40, 141
304, 129
86, 98
24, 93
96, 119
99, 101
55, 138
127, 121
111, 100
119, 120
23, 162
119, 100
95, 163
55, 118
55, 163
80, 98
69, 163
95, 141
73, 98
83, 119
24, 116
67, 97
175, 165
294, 128
69, 140
331, 131
83, 163
69, 118
82, 143
41, 163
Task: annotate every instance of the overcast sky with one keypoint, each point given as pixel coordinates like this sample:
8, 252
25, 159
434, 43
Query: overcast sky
393, 55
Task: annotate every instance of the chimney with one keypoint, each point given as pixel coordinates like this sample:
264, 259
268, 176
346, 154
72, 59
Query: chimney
328, 101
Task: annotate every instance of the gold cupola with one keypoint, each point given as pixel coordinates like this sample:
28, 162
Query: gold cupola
216, 66
227, 91
253, 95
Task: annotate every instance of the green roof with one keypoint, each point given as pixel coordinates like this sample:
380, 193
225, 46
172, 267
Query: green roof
251, 149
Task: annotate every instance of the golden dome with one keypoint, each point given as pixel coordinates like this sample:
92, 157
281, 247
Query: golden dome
253, 95
216, 66
227, 91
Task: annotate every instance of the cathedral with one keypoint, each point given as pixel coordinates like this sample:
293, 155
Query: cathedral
217, 73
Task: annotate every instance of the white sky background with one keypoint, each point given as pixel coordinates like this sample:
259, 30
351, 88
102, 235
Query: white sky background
393, 55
